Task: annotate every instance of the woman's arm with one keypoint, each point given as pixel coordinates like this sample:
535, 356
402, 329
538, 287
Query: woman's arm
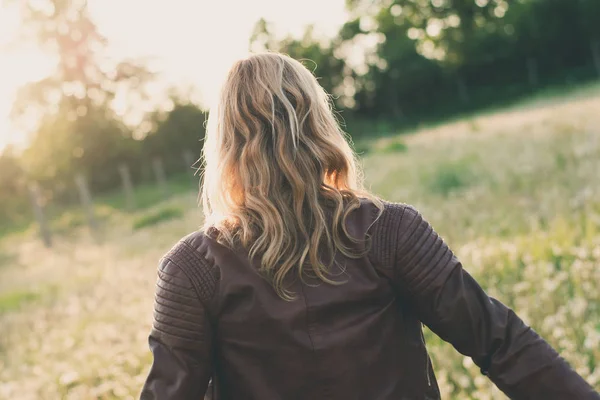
451, 303
180, 340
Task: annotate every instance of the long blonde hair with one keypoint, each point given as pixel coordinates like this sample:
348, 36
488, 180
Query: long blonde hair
275, 160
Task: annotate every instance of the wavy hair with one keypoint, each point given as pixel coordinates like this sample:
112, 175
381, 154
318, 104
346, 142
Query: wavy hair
279, 175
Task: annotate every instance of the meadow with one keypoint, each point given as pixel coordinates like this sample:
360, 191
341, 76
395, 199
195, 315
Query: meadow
515, 192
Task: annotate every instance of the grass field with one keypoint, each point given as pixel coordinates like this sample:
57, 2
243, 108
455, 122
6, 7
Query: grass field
516, 193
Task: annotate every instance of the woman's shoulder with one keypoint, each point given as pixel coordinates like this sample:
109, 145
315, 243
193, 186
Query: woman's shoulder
387, 211
391, 223
191, 243
192, 255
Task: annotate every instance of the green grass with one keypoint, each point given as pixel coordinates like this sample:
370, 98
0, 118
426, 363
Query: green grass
149, 194
449, 177
13, 300
5, 258
157, 216
366, 133
396, 146
65, 219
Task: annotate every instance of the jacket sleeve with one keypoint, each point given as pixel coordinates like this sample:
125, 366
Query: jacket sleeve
451, 303
180, 339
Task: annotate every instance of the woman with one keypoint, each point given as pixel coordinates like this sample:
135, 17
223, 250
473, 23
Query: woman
304, 286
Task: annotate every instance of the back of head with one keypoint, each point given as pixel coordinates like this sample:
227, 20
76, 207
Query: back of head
275, 162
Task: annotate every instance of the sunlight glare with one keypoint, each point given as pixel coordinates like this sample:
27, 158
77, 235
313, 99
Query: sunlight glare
20, 64
189, 43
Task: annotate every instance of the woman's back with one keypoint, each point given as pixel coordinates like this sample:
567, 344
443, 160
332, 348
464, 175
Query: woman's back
351, 341
217, 318
306, 286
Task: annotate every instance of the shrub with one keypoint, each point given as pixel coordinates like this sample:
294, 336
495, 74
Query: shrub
156, 217
448, 177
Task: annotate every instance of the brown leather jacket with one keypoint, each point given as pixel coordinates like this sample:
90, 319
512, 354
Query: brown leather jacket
217, 320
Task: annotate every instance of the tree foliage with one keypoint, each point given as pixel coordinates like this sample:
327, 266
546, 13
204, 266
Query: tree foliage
425, 57
81, 127
316, 55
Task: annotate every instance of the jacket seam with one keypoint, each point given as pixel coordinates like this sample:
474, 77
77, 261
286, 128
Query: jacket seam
394, 265
171, 282
177, 285
201, 277
183, 270
425, 289
174, 308
401, 247
175, 335
309, 324
196, 324
177, 293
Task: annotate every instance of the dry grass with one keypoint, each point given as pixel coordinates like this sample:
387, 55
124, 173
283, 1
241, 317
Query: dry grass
85, 336
515, 193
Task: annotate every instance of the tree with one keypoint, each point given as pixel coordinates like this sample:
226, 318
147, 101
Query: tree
431, 53
12, 188
79, 130
178, 130
317, 54
83, 77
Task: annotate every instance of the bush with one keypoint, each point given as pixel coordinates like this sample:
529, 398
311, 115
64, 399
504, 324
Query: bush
397, 146
452, 176
153, 218
13, 300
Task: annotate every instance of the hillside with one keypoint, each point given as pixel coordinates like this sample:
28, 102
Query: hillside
515, 192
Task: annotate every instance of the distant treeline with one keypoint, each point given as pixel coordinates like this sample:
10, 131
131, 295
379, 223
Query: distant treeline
428, 58
393, 63
96, 146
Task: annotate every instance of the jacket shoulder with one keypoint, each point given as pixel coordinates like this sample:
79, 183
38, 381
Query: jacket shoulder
388, 232
191, 255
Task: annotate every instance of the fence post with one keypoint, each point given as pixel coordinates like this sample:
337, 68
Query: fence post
190, 163
86, 202
595, 46
159, 172
127, 186
188, 159
532, 71
38, 210
463, 93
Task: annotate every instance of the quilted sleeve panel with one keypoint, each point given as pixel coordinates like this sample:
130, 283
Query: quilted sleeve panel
180, 319
181, 339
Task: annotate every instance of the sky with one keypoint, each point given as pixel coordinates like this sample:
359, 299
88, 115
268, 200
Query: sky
192, 42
